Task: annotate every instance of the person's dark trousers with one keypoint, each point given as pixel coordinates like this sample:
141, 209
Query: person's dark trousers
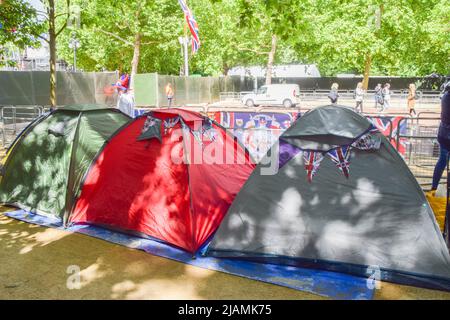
440, 166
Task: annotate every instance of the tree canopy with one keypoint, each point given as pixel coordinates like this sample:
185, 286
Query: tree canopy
18, 25
387, 37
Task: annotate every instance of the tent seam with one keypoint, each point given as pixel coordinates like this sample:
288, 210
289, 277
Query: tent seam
191, 204
71, 164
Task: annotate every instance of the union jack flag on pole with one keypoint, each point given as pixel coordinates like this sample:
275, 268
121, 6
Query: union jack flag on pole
192, 24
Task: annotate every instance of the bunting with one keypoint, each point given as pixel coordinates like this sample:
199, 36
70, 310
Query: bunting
206, 131
341, 156
151, 129
170, 123
312, 162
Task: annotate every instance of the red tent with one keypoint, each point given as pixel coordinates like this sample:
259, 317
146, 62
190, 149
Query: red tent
170, 174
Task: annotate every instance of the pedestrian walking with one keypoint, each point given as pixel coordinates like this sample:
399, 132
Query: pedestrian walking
359, 97
386, 96
334, 95
443, 137
412, 96
378, 96
170, 94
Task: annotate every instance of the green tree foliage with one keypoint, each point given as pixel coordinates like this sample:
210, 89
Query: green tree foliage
19, 24
400, 36
383, 37
113, 32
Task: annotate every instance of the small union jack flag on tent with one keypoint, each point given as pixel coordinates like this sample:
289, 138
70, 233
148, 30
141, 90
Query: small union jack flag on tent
341, 156
192, 24
312, 162
170, 123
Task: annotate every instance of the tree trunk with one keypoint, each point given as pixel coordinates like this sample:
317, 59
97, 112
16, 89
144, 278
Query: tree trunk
225, 69
52, 47
136, 55
367, 66
271, 59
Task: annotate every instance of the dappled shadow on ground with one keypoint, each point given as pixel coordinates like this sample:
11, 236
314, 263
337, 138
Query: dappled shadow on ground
35, 261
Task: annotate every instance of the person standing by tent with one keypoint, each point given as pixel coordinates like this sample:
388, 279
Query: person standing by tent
412, 96
125, 101
359, 97
386, 93
378, 96
443, 137
334, 95
169, 93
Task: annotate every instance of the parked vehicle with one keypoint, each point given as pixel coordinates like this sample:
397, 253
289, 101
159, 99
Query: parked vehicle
286, 95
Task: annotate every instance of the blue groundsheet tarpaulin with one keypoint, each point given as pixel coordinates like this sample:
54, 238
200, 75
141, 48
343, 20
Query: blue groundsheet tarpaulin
324, 283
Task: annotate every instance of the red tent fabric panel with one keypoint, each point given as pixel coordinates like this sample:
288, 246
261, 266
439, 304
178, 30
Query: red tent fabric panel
216, 181
134, 185
187, 115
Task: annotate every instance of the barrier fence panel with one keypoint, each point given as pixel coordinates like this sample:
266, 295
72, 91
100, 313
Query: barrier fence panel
33, 87
14, 119
422, 147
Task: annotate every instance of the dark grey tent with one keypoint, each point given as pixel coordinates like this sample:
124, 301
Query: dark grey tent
343, 199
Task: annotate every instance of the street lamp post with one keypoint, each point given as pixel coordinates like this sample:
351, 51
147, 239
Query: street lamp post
74, 44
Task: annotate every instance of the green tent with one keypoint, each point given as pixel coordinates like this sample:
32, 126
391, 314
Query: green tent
44, 168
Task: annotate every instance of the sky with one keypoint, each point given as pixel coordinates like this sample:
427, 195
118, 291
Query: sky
36, 3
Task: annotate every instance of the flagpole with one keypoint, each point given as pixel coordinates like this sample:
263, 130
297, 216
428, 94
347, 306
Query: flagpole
185, 44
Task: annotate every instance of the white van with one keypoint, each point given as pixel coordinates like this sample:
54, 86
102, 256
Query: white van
286, 95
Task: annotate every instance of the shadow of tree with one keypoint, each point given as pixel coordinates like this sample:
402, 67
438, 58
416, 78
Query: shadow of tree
35, 262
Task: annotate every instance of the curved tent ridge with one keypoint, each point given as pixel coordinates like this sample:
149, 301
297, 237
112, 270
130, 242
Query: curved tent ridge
325, 128
186, 115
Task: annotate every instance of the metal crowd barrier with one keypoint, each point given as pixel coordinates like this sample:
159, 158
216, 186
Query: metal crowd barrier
232, 96
424, 97
13, 119
414, 137
422, 147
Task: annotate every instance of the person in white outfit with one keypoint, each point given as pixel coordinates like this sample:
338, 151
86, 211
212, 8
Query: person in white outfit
359, 97
125, 102
386, 96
